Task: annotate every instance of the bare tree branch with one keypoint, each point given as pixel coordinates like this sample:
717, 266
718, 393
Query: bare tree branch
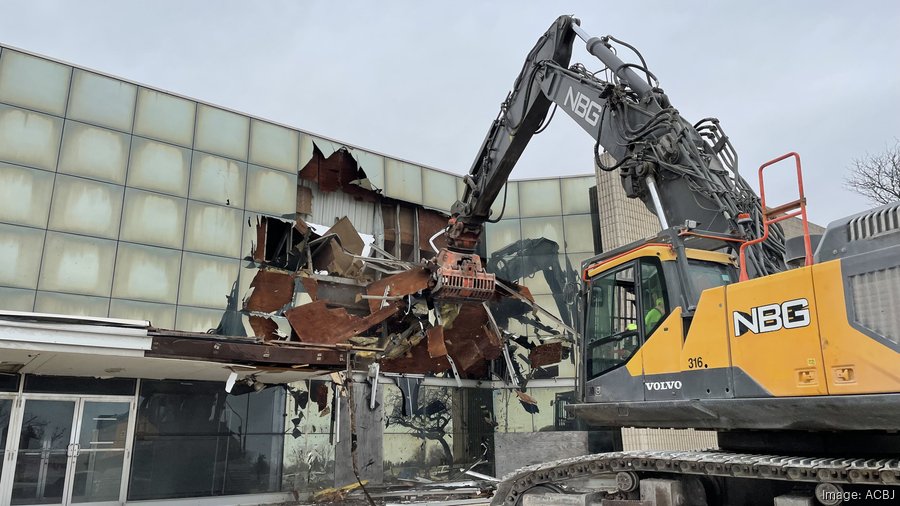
876, 177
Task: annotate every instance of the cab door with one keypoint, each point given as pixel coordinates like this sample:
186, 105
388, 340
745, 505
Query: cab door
613, 370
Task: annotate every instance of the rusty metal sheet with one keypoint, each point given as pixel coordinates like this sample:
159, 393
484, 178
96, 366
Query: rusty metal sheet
271, 291
436, 345
416, 361
317, 323
430, 222
304, 200
245, 353
545, 354
405, 283
491, 346
350, 239
263, 327
312, 287
470, 340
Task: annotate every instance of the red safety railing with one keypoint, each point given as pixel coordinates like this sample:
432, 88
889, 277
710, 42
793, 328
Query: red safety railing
779, 213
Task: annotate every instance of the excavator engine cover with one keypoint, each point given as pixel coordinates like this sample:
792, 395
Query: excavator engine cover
461, 277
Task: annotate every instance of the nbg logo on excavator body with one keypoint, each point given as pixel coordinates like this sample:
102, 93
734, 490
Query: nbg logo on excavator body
791, 314
583, 106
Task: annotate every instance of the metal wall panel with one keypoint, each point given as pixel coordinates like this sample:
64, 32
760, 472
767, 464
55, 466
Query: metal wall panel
153, 218
549, 227
213, 229
146, 273
222, 132
165, 117
274, 146
159, 167
20, 256
29, 138
579, 233
161, 316
511, 209
25, 195
372, 165
94, 152
33, 82
501, 234
271, 191
218, 180
207, 281
328, 207
102, 101
77, 264
69, 304
306, 148
84, 206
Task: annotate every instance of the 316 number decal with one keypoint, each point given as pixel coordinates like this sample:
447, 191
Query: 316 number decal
696, 363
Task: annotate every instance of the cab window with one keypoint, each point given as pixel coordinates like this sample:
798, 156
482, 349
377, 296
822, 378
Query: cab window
653, 296
611, 330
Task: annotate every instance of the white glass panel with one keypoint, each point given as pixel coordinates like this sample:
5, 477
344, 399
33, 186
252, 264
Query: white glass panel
222, 132
207, 281
159, 167
165, 117
77, 264
579, 233
540, 198
20, 256
403, 181
461, 188
33, 82
192, 319
146, 273
94, 152
306, 148
67, 304
83, 206
576, 191
218, 180
151, 218
501, 234
161, 316
15, 299
274, 146
102, 100
25, 195
271, 191
551, 228
511, 210
575, 260
372, 165
213, 229
438, 189
29, 138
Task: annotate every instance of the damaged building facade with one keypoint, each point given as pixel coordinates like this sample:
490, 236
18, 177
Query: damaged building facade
197, 305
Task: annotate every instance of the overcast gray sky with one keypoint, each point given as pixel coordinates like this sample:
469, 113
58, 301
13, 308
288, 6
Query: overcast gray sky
423, 80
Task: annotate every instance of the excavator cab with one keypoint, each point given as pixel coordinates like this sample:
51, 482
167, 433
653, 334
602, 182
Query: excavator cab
631, 295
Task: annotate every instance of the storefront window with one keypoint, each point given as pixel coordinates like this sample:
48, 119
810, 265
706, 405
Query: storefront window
192, 439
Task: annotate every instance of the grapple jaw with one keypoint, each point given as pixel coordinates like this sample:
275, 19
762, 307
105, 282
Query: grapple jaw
460, 277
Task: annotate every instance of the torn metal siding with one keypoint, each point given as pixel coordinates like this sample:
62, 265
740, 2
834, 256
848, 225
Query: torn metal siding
328, 207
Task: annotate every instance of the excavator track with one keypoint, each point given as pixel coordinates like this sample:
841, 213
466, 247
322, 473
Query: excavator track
860, 471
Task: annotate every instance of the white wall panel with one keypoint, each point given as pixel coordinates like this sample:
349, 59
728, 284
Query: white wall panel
33, 82
213, 229
147, 273
77, 264
159, 167
94, 152
20, 256
161, 316
539, 198
101, 100
16, 299
165, 117
271, 191
84, 206
438, 189
576, 196
207, 281
274, 146
68, 304
25, 195
29, 138
152, 218
218, 180
222, 132
403, 181
193, 319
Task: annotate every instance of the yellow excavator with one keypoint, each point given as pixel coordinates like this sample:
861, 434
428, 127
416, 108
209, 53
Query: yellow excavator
704, 326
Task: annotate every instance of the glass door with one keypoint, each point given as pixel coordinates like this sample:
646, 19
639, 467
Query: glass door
71, 451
